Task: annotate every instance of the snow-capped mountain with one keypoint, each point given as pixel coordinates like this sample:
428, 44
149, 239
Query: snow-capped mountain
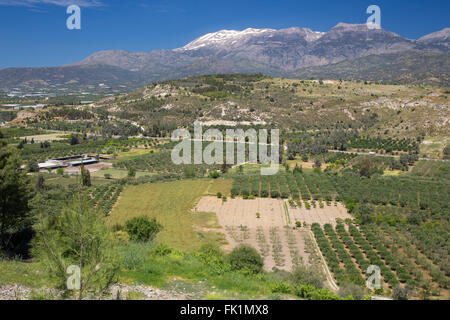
274, 52
223, 38
286, 49
234, 38
294, 48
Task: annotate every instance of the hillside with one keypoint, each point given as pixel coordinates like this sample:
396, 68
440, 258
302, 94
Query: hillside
244, 100
231, 100
406, 67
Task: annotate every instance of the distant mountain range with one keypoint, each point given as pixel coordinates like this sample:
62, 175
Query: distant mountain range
347, 51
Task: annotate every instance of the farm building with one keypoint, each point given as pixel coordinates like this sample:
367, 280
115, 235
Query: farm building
52, 164
71, 161
83, 162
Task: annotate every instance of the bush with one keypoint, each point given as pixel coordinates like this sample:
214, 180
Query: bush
214, 174
307, 276
131, 172
401, 293
246, 258
213, 258
348, 289
142, 229
161, 250
281, 287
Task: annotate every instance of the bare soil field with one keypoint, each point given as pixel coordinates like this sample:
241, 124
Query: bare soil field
91, 167
269, 226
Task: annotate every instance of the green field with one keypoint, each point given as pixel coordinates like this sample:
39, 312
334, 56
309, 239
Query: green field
170, 203
220, 185
129, 155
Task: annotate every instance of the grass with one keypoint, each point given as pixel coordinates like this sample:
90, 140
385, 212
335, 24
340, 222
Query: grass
187, 270
129, 155
251, 168
205, 220
392, 173
170, 203
220, 185
21, 273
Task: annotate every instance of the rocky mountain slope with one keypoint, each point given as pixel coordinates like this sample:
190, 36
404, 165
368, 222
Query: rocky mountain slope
275, 52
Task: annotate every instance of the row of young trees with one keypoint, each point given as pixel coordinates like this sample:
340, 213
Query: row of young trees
352, 272
105, 197
372, 256
295, 185
389, 144
405, 192
415, 258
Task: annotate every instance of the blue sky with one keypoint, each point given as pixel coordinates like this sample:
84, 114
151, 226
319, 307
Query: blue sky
33, 32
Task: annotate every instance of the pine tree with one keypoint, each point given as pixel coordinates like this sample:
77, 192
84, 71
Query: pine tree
15, 193
77, 236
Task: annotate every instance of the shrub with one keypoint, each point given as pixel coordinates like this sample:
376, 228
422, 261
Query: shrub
348, 289
142, 229
281, 287
214, 174
307, 276
213, 257
161, 250
131, 172
401, 293
246, 258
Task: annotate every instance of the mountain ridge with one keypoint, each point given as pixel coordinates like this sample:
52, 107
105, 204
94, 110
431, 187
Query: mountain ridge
284, 52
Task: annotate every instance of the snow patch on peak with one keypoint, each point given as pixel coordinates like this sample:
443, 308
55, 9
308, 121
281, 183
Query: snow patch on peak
221, 37
226, 38
351, 27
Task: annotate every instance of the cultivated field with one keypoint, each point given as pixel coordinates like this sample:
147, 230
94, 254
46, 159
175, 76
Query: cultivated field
170, 203
269, 226
97, 167
54, 136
